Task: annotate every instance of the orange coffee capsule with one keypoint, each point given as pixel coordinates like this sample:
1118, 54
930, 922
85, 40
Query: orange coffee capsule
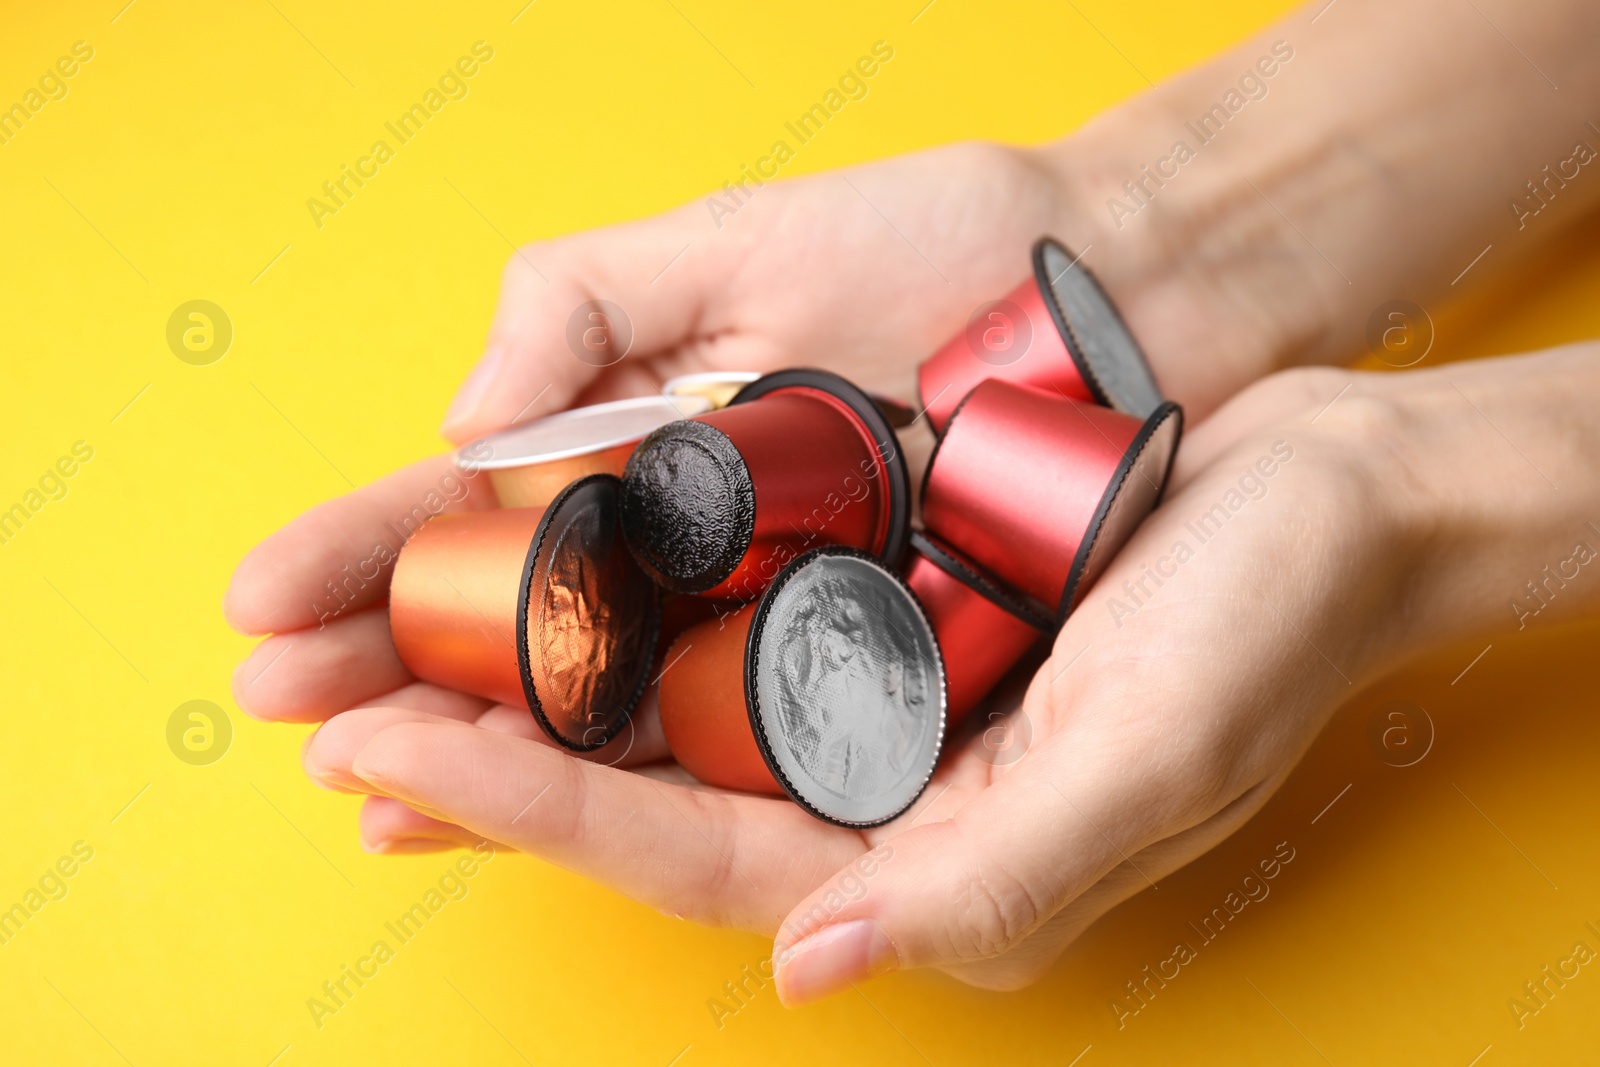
829, 689
530, 463
538, 608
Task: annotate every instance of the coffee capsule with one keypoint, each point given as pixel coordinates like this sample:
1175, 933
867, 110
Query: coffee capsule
983, 628
1041, 491
680, 612
541, 608
718, 504
719, 387
1057, 332
716, 387
530, 463
829, 689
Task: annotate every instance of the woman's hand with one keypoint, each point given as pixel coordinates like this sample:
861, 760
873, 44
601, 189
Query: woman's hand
1315, 532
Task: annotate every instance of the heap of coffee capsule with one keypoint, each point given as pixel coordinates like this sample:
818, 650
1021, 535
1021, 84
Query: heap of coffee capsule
745, 543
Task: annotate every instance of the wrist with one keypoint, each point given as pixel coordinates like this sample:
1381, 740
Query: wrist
1217, 286
1486, 492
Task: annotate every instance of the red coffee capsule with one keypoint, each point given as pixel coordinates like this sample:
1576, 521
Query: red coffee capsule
983, 628
829, 689
718, 504
1057, 332
541, 608
1041, 491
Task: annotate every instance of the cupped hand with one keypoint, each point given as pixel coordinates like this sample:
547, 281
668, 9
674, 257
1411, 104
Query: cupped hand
1174, 701
865, 272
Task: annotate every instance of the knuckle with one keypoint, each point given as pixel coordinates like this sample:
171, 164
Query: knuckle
1016, 970
1366, 418
1301, 388
993, 911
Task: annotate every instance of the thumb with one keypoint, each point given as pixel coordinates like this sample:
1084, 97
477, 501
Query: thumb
577, 308
966, 889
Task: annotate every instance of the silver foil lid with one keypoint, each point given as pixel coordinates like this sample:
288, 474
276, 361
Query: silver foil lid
1134, 492
577, 432
1108, 356
845, 687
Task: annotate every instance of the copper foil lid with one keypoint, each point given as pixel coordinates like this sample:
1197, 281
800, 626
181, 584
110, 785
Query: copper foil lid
530, 463
845, 687
587, 619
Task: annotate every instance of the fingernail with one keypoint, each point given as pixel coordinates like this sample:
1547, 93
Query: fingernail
407, 846
330, 778
831, 959
473, 390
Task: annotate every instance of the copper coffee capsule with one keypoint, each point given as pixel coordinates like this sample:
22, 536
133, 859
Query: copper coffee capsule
829, 689
1041, 491
720, 503
532, 462
983, 628
1057, 332
542, 608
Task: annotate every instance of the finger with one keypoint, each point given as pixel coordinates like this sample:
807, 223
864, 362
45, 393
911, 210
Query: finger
534, 364
329, 752
980, 883
425, 700
722, 858
1276, 400
308, 675
337, 558
391, 828
640, 741
1142, 870
433, 700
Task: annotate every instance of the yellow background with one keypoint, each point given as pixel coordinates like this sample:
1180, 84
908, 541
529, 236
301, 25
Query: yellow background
217, 902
